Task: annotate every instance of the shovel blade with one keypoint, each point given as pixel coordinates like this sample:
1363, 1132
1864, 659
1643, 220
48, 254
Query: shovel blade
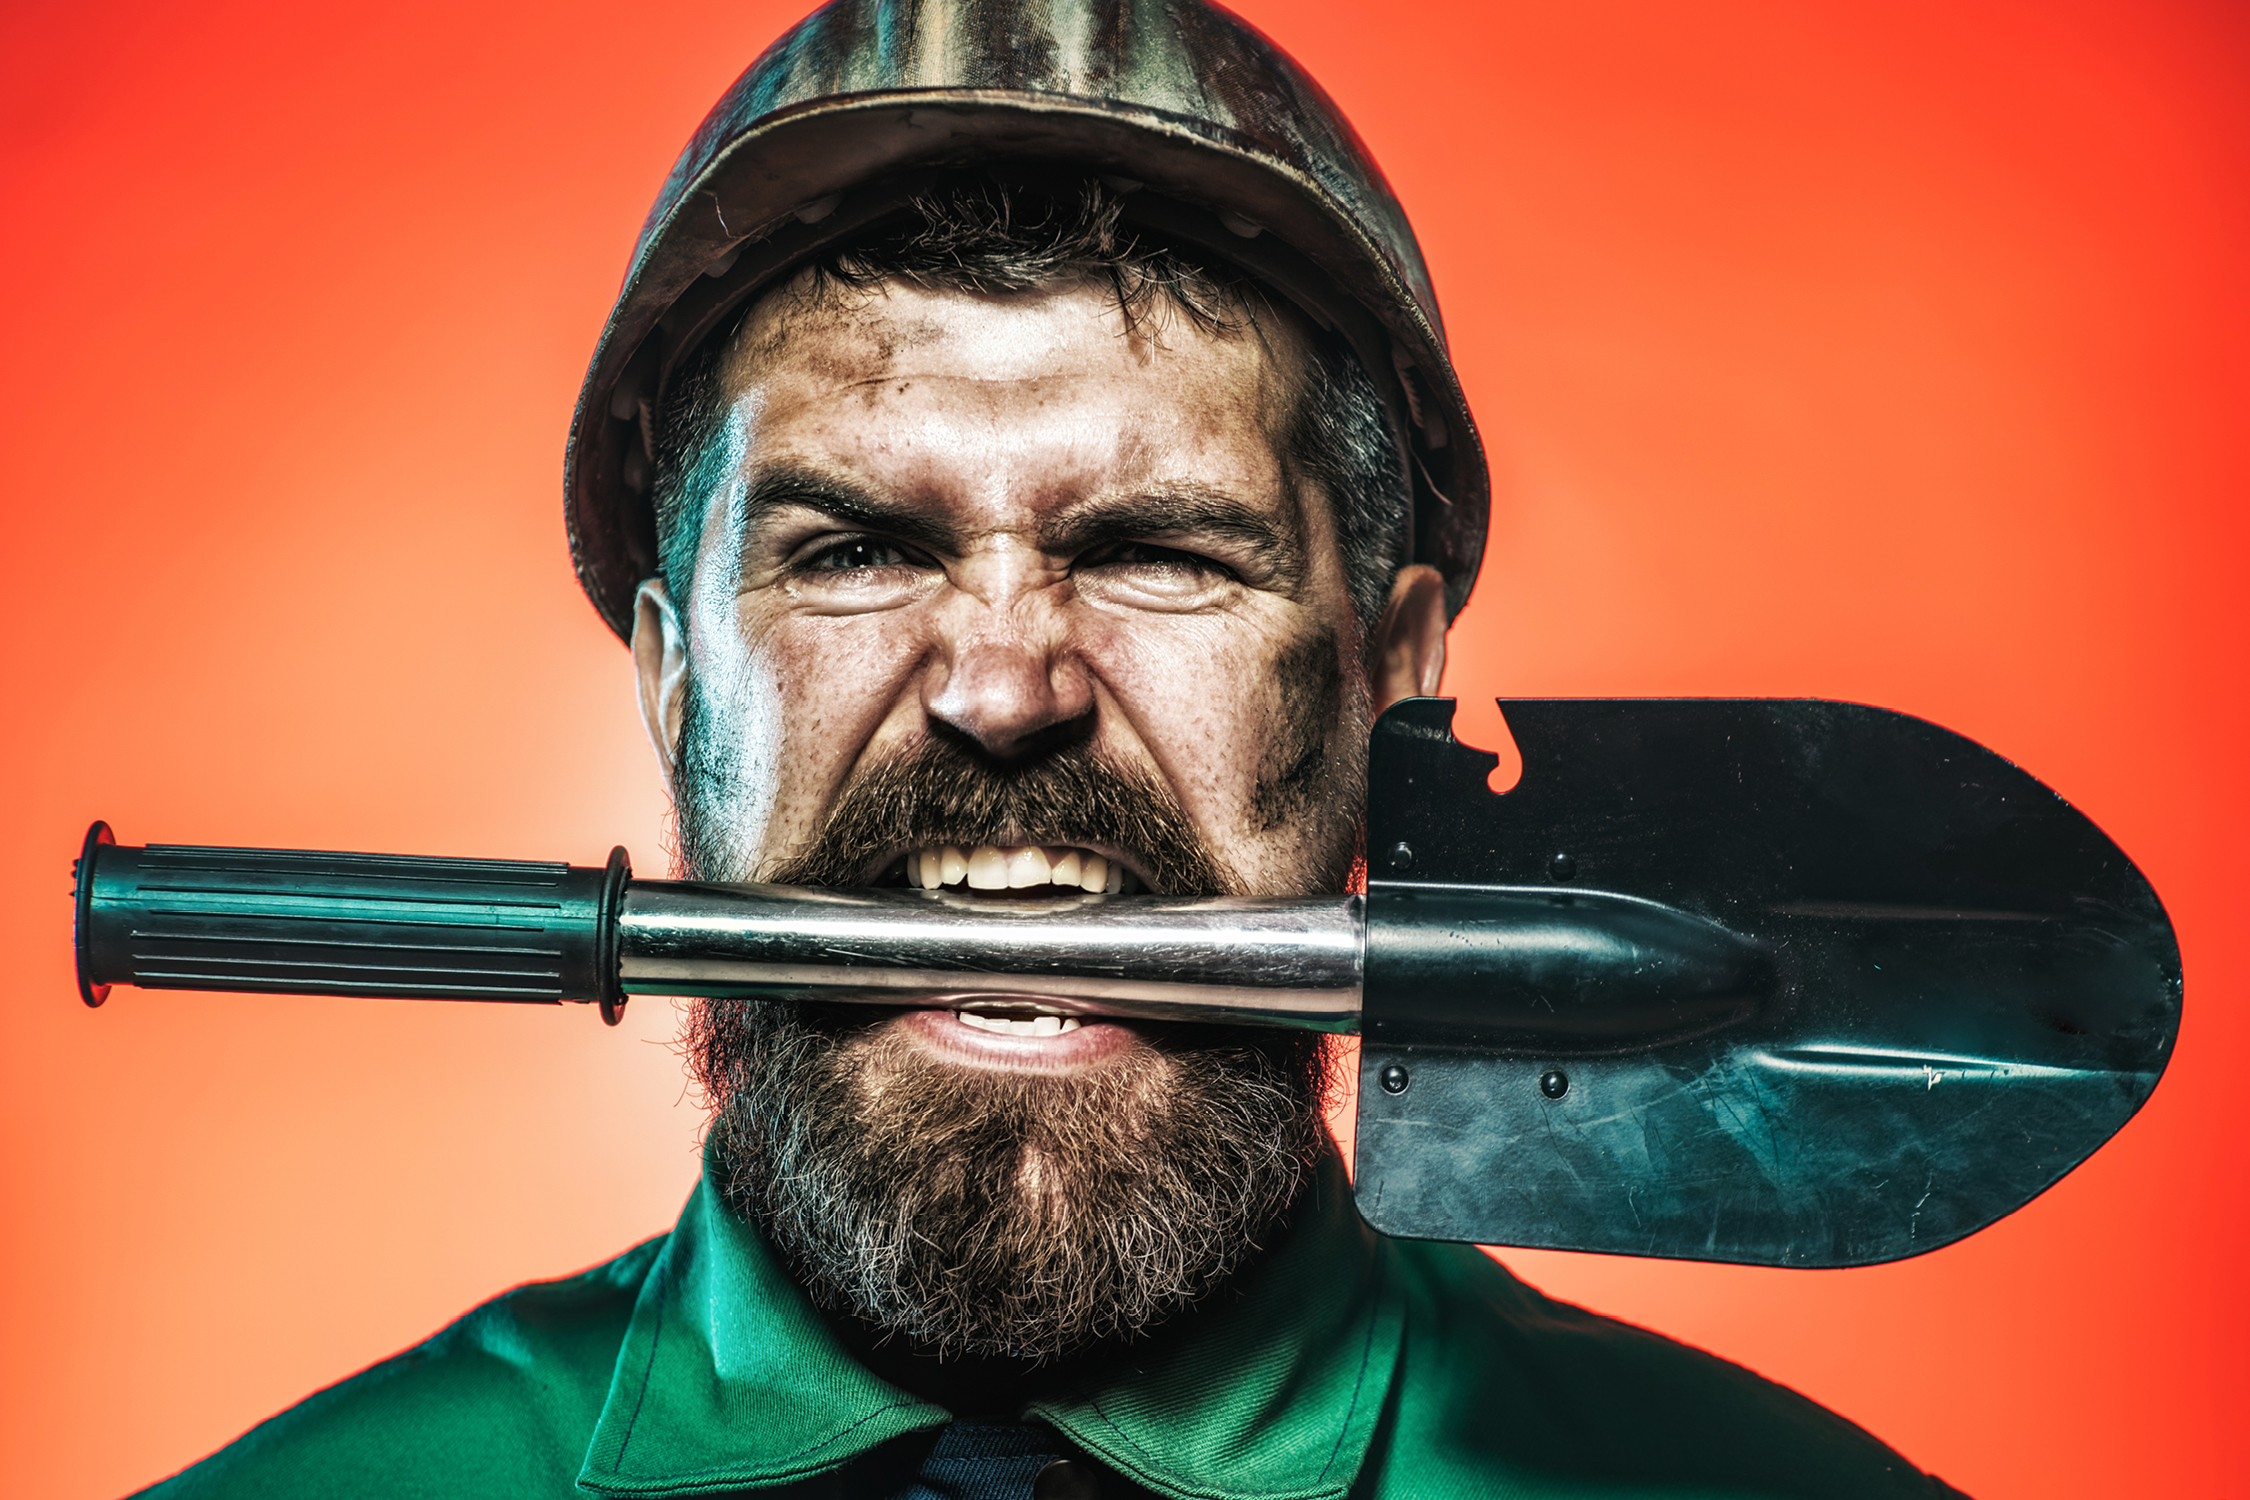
1968, 987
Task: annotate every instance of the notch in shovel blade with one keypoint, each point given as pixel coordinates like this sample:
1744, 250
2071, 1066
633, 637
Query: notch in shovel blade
1908, 987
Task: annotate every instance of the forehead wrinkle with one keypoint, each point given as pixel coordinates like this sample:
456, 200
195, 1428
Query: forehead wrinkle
883, 322
879, 332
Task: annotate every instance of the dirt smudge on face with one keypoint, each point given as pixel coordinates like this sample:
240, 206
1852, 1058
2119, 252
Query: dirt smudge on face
851, 336
1293, 773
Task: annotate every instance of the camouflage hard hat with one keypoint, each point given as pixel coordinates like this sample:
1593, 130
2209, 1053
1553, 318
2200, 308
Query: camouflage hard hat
1216, 138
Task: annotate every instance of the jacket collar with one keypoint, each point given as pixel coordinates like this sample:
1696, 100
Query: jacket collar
729, 1378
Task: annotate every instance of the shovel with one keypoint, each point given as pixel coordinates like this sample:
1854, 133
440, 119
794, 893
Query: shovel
1776, 982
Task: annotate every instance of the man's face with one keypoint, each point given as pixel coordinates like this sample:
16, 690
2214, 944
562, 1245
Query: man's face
982, 575
1015, 522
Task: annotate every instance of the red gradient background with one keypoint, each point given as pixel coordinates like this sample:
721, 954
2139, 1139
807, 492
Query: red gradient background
1886, 351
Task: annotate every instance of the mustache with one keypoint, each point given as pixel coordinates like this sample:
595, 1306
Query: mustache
943, 789
946, 789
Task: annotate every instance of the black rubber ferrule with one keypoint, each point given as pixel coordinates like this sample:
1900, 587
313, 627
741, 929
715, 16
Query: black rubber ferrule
609, 989
82, 874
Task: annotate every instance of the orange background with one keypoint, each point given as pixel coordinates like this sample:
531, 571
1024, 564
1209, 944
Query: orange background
1891, 350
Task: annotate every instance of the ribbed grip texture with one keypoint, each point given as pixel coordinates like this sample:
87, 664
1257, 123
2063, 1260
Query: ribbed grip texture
295, 922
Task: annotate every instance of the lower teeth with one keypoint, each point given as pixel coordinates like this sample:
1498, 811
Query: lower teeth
1019, 1025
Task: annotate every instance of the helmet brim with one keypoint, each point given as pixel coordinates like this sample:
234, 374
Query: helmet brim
783, 189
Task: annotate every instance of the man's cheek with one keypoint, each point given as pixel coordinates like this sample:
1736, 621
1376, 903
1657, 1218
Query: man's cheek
730, 755
1301, 740
835, 688
1240, 724
1303, 716
1180, 694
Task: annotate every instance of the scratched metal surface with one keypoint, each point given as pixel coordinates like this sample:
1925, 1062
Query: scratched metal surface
1286, 961
1970, 987
1181, 97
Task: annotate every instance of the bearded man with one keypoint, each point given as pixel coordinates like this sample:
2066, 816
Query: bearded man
1024, 458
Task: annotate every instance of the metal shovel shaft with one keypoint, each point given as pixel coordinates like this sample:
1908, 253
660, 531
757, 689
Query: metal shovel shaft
1493, 969
1274, 962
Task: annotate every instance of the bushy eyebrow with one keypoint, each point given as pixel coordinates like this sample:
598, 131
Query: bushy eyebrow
1180, 513
782, 489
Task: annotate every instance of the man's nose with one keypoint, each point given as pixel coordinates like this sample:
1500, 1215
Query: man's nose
1006, 676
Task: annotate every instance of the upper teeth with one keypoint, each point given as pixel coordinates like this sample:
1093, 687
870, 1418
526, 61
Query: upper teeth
993, 867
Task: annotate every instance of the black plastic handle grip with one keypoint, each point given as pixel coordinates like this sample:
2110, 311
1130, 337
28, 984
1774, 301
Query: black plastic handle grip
293, 922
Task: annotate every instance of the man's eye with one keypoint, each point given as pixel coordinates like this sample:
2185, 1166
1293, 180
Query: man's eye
1148, 558
854, 554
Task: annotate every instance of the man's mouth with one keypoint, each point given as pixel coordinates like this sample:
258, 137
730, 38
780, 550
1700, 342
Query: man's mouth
1030, 869
1017, 1023
1012, 1031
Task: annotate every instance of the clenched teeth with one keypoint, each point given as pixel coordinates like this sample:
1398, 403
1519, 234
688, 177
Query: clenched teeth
994, 867
1018, 1025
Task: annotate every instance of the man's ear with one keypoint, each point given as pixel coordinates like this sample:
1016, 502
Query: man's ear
660, 664
1406, 655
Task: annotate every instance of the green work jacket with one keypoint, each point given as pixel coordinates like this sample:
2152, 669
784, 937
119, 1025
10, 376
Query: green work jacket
1344, 1364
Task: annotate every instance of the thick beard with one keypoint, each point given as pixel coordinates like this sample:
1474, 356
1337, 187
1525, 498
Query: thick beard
990, 1213
1010, 1214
